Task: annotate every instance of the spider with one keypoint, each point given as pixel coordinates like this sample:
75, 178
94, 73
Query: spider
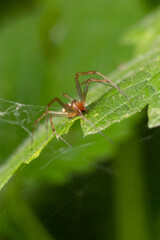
76, 107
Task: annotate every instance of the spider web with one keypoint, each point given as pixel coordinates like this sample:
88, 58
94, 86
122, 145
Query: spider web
20, 114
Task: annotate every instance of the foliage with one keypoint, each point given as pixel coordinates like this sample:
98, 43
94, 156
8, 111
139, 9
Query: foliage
142, 87
41, 67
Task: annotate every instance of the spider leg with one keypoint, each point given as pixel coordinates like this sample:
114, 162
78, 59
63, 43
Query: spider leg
67, 96
56, 114
50, 118
93, 126
65, 106
78, 87
105, 80
82, 95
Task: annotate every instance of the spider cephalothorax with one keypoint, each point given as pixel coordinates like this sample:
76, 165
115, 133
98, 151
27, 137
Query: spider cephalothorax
78, 106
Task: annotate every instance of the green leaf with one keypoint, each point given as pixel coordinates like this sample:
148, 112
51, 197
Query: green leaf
145, 34
140, 79
154, 112
112, 107
25, 153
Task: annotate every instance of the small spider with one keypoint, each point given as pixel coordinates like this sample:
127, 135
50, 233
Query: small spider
76, 107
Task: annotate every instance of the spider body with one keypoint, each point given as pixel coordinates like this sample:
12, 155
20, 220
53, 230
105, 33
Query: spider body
76, 107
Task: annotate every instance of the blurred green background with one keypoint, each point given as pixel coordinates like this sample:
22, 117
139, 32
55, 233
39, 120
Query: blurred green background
95, 190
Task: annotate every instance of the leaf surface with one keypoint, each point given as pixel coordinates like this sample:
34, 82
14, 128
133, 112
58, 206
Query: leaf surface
139, 78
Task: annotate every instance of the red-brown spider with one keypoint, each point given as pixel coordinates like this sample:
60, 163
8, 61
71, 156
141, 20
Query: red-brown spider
76, 107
